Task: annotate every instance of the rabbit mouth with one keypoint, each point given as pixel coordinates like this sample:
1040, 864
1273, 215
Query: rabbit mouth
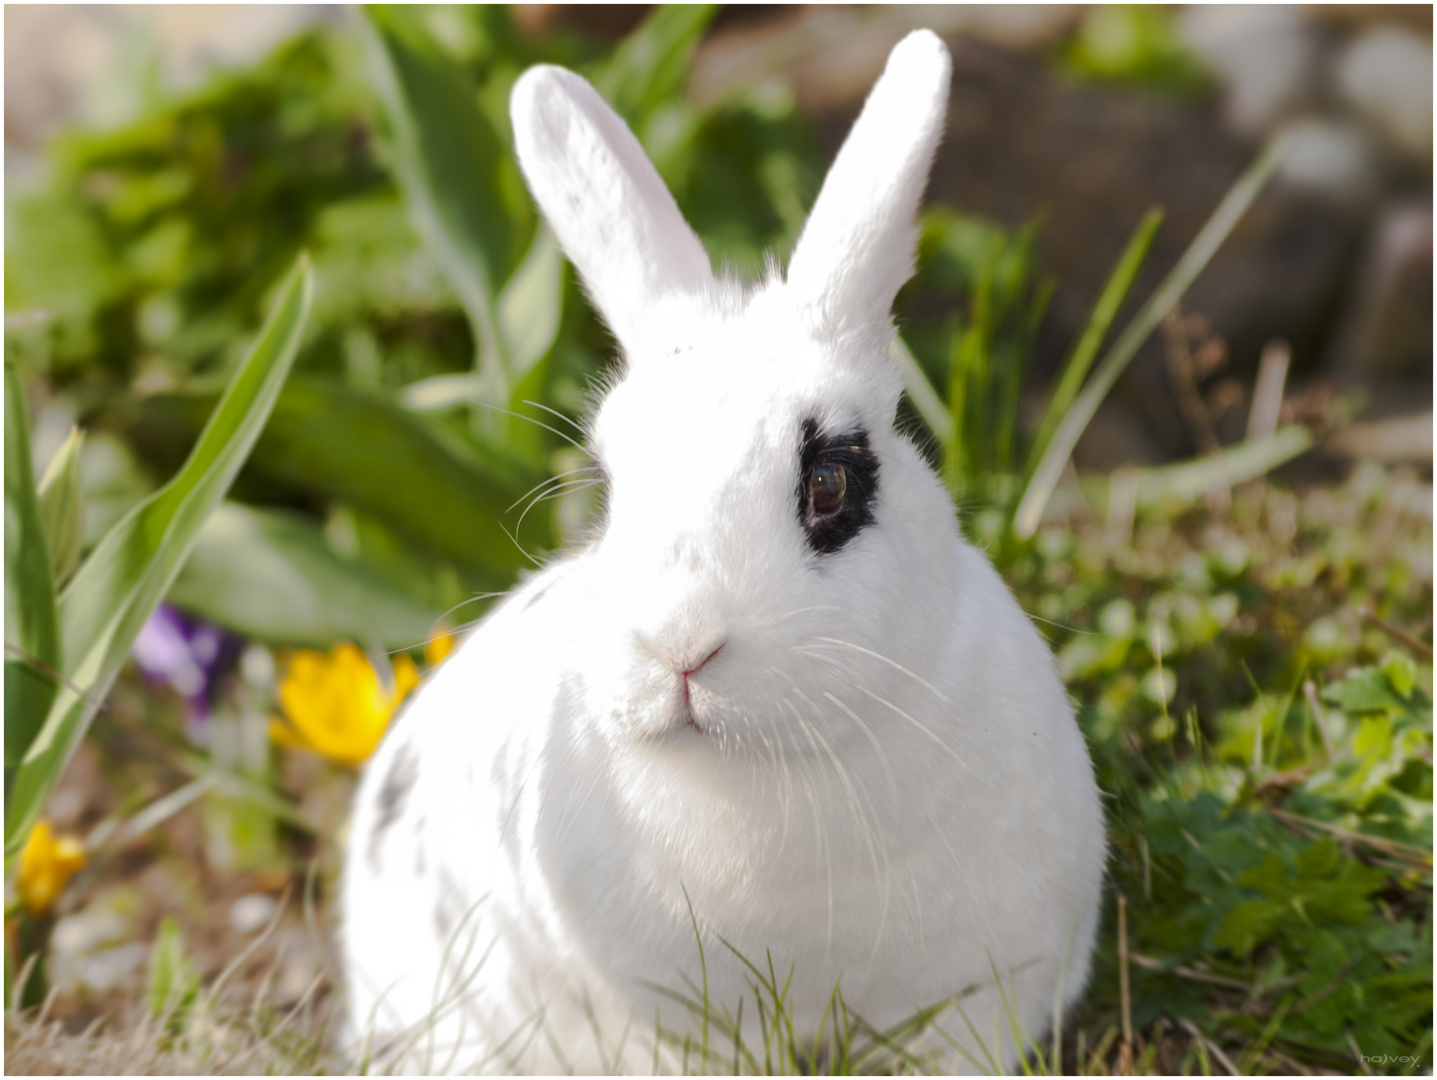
684, 718
671, 728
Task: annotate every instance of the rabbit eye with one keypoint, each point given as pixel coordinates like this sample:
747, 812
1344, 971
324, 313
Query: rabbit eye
826, 486
837, 486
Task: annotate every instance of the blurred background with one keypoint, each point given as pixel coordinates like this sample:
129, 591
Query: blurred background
1336, 261
1252, 493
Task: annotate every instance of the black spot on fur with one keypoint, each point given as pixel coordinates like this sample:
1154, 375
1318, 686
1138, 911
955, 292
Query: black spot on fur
828, 533
398, 782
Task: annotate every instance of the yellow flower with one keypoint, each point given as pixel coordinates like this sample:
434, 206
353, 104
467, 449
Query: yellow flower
47, 862
439, 646
336, 704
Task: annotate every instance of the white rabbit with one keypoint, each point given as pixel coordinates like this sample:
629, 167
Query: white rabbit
776, 689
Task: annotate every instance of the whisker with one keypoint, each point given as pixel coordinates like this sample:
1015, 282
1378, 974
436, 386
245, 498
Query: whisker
520, 546
804, 610
554, 492
891, 663
819, 834
545, 483
878, 746
920, 726
1060, 626
562, 416
454, 631
538, 423
852, 795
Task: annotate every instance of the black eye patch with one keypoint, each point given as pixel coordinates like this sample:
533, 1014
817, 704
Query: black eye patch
837, 486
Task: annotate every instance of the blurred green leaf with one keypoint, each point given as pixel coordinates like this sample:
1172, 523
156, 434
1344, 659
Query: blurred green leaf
62, 505
531, 305
174, 985
113, 593
31, 625
1366, 689
113, 483
61, 263
156, 242
460, 182
332, 442
1134, 44
368, 262
272, 576
651, 67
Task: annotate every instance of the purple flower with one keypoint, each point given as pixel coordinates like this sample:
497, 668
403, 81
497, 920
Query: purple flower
187, 654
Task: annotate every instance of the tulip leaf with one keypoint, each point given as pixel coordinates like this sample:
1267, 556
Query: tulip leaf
132, 567
652, 65
327, 441
270, 575
531, 305
62, 505
31, 627
455, 173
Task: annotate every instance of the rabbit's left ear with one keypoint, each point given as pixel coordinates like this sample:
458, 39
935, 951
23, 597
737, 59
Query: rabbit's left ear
857, 247
614, 218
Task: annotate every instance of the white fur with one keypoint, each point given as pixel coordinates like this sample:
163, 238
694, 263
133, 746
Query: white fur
886, 783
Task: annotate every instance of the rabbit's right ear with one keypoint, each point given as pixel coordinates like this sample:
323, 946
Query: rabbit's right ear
614, 218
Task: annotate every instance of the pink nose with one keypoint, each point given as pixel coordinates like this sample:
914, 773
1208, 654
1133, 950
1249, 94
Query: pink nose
701, 664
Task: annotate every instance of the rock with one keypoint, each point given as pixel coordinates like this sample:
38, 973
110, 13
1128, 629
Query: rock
1386, 75
252, 912
88, 930
300, 964
829, 57
94, 950
1330, 157
1266, 55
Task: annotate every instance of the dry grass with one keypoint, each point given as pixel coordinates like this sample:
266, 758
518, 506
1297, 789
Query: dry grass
212, 1044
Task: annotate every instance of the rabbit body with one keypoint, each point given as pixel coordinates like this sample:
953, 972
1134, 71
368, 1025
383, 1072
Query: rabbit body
739, 716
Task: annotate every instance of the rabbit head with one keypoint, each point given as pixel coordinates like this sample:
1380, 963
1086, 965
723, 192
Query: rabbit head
766, 531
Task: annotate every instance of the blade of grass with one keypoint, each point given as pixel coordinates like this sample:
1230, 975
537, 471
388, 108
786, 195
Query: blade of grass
31, 624
1076, 419
1013, 372
704, 971
1080, 360
925, 399
114, 592
1245, 461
